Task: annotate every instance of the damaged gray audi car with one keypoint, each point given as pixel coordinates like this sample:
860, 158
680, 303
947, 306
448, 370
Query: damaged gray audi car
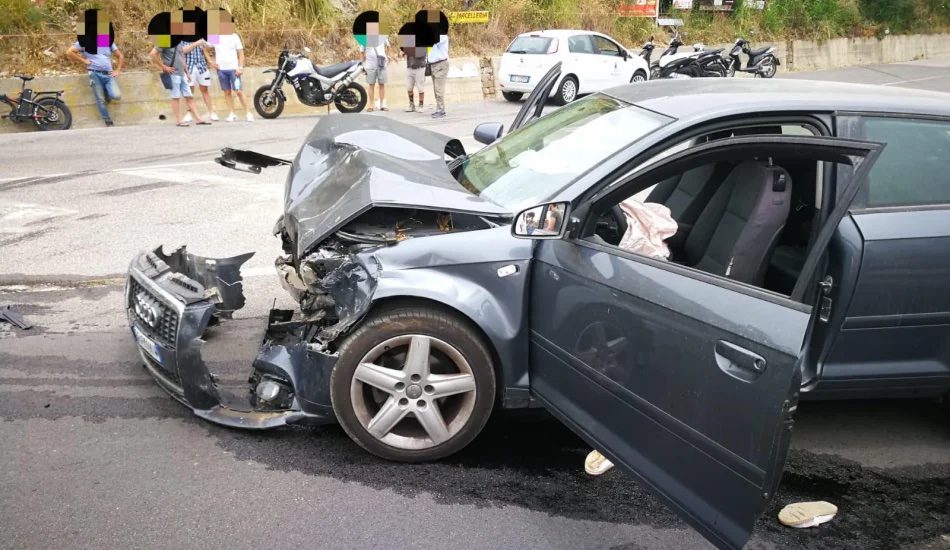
435, 286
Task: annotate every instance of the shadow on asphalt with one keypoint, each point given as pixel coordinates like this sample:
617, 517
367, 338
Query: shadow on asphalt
528, 459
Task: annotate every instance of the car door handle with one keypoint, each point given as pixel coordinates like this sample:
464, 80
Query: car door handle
739, 362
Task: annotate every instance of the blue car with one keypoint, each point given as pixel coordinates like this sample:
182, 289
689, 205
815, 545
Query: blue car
811, 260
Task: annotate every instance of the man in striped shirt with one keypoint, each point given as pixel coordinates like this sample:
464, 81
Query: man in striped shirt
197, 61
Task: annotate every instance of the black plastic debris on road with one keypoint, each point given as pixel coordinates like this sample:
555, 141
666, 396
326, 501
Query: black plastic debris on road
12, 316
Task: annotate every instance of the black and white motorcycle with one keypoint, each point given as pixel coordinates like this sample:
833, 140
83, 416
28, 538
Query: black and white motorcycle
699, 63
315, 86
762, 62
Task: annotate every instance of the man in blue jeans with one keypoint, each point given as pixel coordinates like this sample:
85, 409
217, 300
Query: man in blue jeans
101, 75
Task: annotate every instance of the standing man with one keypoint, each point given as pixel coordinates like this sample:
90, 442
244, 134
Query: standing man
415, 77
171, 62
439, 65
101, 75
196, 59
228, 60
375, 56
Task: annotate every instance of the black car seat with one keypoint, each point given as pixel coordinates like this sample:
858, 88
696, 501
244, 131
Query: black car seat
736, 232
686, 194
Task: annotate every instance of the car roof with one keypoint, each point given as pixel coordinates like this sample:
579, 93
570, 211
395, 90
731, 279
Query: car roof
559, 33
714, 97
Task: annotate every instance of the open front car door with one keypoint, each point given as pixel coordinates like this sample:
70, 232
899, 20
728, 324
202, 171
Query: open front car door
686, 380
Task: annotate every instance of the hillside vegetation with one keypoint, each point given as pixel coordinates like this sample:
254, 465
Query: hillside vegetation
34, 33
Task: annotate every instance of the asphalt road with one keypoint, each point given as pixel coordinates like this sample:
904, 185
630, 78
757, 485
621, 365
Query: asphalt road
94, 455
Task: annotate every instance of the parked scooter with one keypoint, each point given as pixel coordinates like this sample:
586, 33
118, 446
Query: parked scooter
647, 52
46, 109
315, 86
699, 63
762, 62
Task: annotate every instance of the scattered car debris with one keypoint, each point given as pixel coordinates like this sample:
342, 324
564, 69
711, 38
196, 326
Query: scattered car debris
807, 514
12, 316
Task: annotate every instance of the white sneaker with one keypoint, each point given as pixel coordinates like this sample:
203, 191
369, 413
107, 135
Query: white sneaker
214, 117
597, 464
250, 117
802, 515
187, 117
231, 118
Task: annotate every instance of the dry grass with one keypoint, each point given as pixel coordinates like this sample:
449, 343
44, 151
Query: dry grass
43, 29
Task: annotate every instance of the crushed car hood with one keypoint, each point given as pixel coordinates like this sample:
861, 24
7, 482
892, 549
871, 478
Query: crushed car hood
352, 162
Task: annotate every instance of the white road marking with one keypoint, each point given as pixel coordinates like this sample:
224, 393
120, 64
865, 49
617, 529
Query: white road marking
15, 217
125, 170
917, 80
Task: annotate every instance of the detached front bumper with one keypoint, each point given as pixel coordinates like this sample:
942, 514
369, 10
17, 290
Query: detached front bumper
171, 300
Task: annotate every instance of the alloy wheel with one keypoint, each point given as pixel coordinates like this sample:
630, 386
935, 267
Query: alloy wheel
413, 392
568, 91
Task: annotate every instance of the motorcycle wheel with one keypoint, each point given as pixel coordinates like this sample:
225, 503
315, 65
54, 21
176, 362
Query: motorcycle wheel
268, 104
351, 99
52, 114
768, 68
654, 73
731, 71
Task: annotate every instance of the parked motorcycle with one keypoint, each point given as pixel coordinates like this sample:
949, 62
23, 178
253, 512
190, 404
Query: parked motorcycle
699, 63
315, 86
762, 62
647, 52
46, 109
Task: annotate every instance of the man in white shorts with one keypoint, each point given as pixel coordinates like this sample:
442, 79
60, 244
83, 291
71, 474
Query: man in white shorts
375, 57
197, 60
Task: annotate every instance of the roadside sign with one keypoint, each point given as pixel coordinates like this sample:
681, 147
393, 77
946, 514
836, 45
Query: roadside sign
682, 4
716, 5
639, 8
468, 17
669, 22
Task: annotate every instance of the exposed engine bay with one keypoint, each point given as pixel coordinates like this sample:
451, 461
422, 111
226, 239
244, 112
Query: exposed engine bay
332, 287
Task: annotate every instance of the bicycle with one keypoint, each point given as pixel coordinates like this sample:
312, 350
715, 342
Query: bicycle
46, 109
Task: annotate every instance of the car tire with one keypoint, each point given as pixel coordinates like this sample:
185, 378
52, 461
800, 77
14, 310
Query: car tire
389, 423
567, 91
512, 96
639, 77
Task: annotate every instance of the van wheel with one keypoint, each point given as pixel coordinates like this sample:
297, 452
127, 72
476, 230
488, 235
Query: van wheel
512, 96
567, 91
413, 384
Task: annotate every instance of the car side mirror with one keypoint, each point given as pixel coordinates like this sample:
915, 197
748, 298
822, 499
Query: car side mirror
489, 132
546, 221
625, 54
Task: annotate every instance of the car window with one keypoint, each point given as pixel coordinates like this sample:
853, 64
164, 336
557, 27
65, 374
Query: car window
534, 162
912, 169
606, 47
580, 44
531, 45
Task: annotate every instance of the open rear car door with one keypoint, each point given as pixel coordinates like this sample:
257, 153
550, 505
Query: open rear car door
537, 99
687, 382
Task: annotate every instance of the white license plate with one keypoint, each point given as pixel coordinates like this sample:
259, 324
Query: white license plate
518, 78
148, 345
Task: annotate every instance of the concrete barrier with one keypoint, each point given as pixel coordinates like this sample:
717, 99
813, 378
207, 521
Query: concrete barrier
848, 52
144, 100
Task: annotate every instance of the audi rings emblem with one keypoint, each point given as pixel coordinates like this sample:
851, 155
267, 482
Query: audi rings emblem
148, 309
